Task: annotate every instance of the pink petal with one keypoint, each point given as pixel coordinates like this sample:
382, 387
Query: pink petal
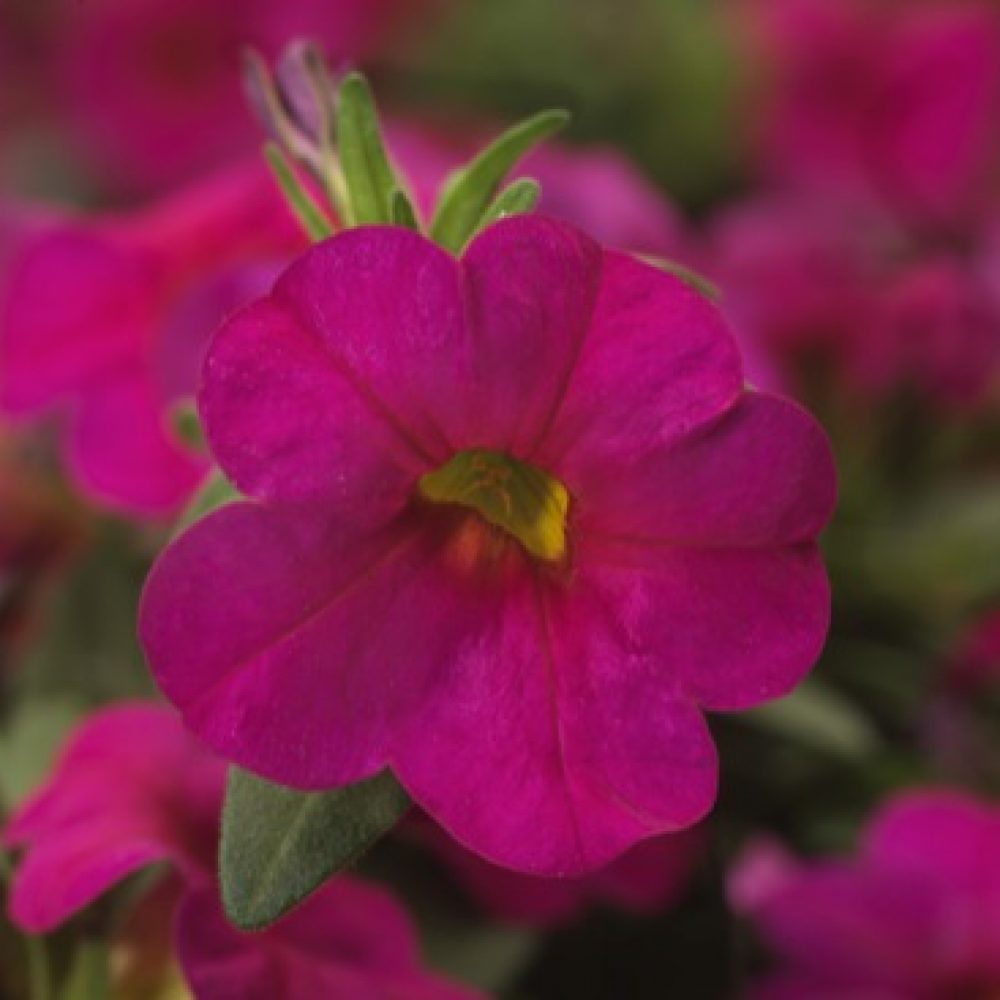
530, 285
762, 475
551, 744
106, 813
123, 450
349, 940
78, 302
294, 646
657, 363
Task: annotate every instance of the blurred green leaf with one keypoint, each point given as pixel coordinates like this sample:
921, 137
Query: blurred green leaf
90, 974
402, 210
816, 715
371, 182
86, 647
29, 741
279, 844
468, 192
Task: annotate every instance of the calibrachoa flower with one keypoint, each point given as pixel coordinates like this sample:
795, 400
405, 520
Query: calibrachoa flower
514, 521
106, 320
916, 916
856, 101
133, 787
649, 877
348, 940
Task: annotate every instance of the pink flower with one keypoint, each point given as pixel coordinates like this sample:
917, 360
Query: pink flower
349, 940
106, 320
892, 101
131, 787
916, 916
649, 877
153, 90
514, 522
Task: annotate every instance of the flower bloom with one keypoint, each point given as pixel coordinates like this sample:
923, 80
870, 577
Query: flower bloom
108, 811
916, 915
514, 521
649, 877
105, 320
856, 102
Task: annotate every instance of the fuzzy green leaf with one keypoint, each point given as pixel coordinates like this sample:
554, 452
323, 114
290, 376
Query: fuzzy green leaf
517, 198
403, 213
279, 844
371, 182
469, 192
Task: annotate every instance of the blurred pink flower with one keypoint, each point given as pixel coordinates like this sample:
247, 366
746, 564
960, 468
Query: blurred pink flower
649, 877
833, 282
893, 101
916, 916
153, 88
976, 662
106, 320
131, 787
348, 940
515, 520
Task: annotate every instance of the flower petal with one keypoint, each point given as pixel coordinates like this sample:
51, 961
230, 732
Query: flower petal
552, 744
761, 475
657, 362
122, 449
348, 940
293, 645
530, 286
106, 813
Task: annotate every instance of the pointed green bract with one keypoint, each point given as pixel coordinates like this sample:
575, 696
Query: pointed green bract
280, 844
517, 198
309, 214
470, 191
214, 493
403, 213
371, 182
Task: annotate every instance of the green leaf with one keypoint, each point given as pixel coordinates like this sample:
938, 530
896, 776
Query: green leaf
469, 192
90, 974
517, 198
402, 210
815, 715
310, 215
371, 182
215, 492
279, 844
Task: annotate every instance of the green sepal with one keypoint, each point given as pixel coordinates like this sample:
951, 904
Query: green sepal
517, 198
310, 215
368, 175
469, 192
215, 492
187, 425
403, 213
280, 844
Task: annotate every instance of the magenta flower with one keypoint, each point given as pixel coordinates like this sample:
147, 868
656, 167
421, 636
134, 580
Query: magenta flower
152, 88
133, 787
857, 104
916, 915
130, 788
349, 940
515, 520
123, 337
649, 877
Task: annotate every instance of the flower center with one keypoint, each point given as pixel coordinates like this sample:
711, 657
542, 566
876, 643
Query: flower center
523, 500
